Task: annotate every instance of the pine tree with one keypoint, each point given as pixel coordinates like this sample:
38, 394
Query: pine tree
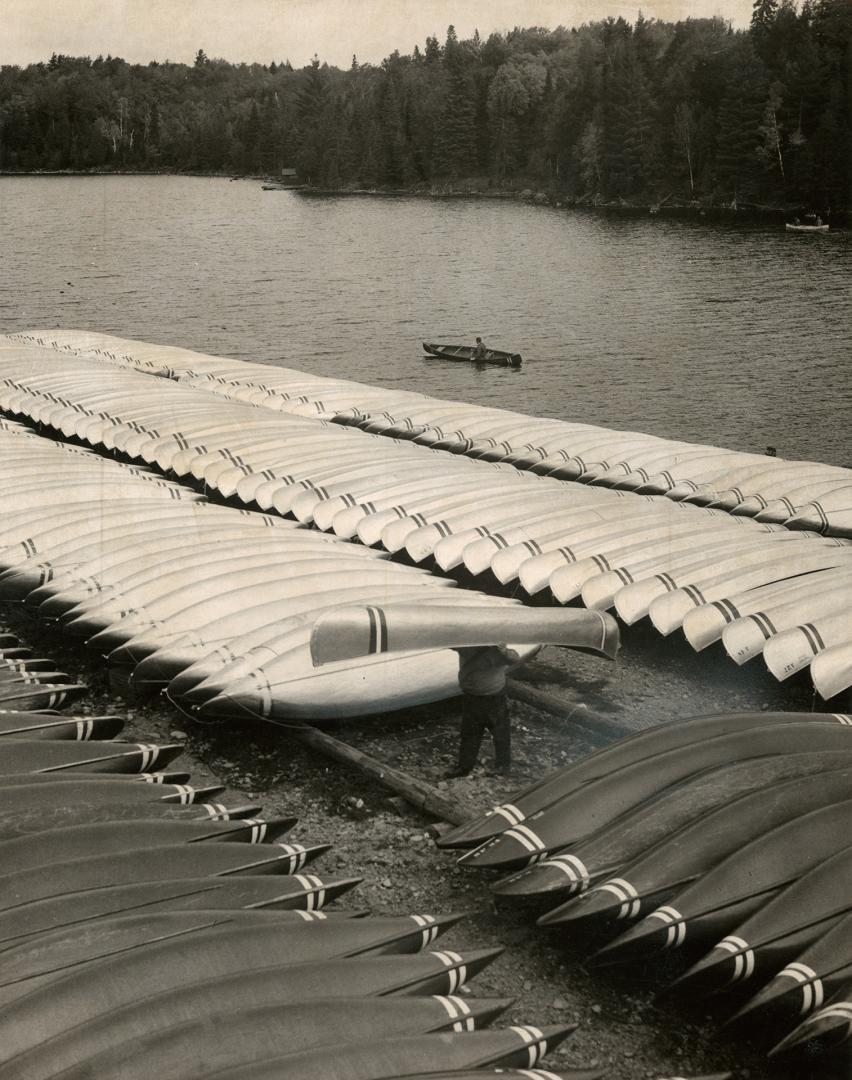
738, 127
310, 131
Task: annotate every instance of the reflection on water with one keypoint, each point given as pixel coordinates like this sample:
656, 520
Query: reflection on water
731, 335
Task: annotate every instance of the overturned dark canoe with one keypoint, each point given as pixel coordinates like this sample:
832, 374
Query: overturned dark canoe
596, 805
514, 1074
517, 1046
306, 892
115, 837
37, 696
62, 755
70, 950
824, 1032
734, 889
154, 864
602, 763
687, 853
814, 977
182, 960
575, 1073
90, 1020
573, 870
233, 1037
778, 932
465, 352
36, 725
37, 790
26, 821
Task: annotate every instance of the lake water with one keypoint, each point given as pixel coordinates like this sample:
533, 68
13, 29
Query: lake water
733, 335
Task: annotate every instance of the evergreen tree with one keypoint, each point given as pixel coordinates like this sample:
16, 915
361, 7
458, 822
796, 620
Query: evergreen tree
607, 108
455, 141
310, 134
738, 128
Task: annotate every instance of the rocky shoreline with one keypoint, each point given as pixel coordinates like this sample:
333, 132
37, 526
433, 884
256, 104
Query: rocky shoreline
698, 210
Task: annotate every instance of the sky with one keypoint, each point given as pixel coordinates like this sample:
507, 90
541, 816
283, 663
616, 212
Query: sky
294, 30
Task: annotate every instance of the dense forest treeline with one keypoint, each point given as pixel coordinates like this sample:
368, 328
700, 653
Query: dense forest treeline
692, 110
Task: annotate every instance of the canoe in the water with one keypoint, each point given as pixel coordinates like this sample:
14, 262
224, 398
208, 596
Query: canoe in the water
806, 228
465, 352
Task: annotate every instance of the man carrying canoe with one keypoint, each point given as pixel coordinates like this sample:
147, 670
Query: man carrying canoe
482, 681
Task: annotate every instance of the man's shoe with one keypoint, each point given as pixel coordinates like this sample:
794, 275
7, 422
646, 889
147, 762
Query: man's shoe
455, 774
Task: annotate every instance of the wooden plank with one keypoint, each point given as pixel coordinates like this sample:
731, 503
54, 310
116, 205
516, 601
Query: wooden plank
574, 711
421, 796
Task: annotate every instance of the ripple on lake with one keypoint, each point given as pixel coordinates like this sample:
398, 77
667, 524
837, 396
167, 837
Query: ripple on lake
731, 335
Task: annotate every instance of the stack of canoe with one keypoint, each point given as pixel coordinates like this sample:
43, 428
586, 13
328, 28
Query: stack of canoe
219, 604
141, 936
801, 494
724, 836
32, 682
760, 588
147, 571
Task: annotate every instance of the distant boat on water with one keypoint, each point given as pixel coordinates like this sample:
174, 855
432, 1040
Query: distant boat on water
797, 227
466, 353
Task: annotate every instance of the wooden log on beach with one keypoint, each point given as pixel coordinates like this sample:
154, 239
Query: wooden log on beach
575, 712
421, 796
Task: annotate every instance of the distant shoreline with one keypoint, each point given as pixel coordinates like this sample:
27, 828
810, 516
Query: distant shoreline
691, 210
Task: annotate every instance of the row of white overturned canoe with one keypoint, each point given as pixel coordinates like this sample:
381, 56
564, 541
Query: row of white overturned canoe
757, 586
185, 592
801, 494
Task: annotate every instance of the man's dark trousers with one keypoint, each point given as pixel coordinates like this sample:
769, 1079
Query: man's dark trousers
481, 711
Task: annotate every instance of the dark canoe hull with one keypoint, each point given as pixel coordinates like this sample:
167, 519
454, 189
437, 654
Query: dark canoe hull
89, 1016
261, 891
465, 353
630, 750
594, 806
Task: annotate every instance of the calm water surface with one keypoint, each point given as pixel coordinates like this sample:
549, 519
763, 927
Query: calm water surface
735, 335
